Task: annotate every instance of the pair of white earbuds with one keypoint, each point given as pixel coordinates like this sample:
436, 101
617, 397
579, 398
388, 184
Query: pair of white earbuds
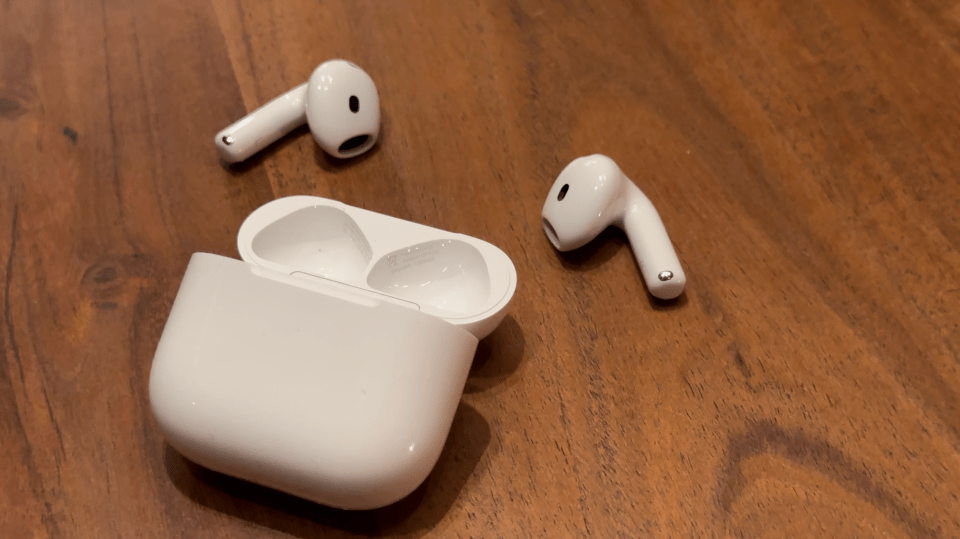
342, 107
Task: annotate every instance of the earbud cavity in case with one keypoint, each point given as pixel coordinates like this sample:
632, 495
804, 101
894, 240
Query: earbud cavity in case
328, 363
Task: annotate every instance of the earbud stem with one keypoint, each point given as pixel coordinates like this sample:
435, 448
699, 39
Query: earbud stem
263, 126
651, 245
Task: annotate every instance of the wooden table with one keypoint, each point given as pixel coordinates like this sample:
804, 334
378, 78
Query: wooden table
803, 154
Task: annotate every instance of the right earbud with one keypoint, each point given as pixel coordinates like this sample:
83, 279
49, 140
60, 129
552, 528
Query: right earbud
339, 102
591, 194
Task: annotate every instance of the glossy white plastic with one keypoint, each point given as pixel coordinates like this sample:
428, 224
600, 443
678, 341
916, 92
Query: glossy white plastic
463, 280
330, 364
591, 194
340, 103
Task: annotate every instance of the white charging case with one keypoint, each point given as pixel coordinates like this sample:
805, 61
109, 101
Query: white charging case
330, 362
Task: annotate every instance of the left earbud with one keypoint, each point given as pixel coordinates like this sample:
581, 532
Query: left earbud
339, 102
591, 194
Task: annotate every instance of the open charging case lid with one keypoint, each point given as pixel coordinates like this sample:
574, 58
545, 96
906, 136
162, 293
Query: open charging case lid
330, 362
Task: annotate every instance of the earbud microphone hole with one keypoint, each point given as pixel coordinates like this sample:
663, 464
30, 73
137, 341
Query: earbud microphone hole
563, 191
354, 104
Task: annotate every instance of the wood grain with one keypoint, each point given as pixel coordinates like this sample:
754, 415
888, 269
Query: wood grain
803, 154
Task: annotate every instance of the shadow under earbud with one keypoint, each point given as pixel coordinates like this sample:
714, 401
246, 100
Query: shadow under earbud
596, 253
667, 304
601, 250
422, 509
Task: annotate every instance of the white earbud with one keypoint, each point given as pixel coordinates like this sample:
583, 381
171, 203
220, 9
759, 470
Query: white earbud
340, 102
591, 194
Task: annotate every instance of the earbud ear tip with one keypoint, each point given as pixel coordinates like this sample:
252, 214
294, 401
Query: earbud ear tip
551, 234
343, 109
